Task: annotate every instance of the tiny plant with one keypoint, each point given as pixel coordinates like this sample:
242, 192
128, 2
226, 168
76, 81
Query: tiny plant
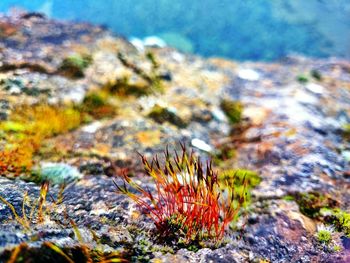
50, 252
342, 221
34, 211
152, 78
324, 236
187, 203
74, 65
303, 79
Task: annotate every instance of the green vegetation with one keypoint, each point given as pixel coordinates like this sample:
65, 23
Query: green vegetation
123, 88
25, 131
27, 127
152, 78
239, 180
223, 155
237, 177
322, 207
288, 198
232, 109
73, 66
346, 130
161, 114
311, 203
341, 221
303, 79
316, 75
98, 105
324, 236
337, 248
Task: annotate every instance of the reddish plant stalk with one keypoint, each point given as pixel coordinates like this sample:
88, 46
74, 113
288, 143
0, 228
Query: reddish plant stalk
186, 196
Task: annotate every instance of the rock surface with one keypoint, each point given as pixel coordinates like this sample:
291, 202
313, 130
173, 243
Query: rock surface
292, 136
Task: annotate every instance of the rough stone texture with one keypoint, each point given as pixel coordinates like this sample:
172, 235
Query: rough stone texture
293, 138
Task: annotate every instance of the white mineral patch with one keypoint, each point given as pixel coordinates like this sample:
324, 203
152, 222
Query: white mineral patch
219, 114
346, 155
315, 88
92, 127
76, 96
303, 97
201, 145
248, 74
178, 57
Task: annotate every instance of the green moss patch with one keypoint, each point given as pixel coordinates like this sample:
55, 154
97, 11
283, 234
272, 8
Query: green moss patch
232, 109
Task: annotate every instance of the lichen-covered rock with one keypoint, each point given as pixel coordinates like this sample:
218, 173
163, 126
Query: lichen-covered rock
292, 130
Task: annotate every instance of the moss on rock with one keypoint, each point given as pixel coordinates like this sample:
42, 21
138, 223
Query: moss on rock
161, 114
73, 66
311, 203
232, 109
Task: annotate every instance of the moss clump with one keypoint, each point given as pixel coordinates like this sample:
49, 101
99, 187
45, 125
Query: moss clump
12, 126
161, 114
223, 155
316, 75
341, 221
232, 109
239, 180
346, 131
324, 236
336, 248
25, 131
97, 105
32, 120
74, 65
302, 79
310, 204
288, 198
236, 177
122, 87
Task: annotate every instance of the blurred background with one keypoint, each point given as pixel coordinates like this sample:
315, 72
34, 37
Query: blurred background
237, 29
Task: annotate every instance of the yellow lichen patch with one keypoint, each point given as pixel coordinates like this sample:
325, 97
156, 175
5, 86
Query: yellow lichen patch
101, 149
43, 121
25, 131
148, 138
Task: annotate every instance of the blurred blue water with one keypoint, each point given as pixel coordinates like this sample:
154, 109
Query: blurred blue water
239, 29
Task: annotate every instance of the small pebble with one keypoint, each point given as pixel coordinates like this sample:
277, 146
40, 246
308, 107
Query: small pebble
248, 74
201, 145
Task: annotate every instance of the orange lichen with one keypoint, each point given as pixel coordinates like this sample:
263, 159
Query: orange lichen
16, 160
25, 131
